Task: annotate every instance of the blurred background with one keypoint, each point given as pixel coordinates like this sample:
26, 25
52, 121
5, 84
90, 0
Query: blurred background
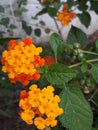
18, 19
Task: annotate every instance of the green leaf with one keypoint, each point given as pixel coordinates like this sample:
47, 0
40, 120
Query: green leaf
96, 12
52, 11
77, 112
77, 36
82, 5
85, 18
94, 72
57, 44
70, 3
94, 5
59, 74
1, 9
42, 23
84, 66
19, 11
5, 21
96, 45
43, 11
12, 26
24, 2
37, 32
26, 28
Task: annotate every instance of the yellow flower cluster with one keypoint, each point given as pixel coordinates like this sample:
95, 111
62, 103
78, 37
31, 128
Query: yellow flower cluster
21, 61
40, 106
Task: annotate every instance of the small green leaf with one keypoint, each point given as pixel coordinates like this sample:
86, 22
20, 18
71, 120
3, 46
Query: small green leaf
26, 28
76, 35
43, 11
12, 26
84, 66
59, 74
94, 5
24, 2
42, 23
77, 112
57, 44
37, 32
1, 9
85, 18
94, 72
52, 11
20, 11
82, 5
5, 21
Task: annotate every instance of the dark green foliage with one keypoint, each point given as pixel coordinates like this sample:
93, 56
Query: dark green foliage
37, 32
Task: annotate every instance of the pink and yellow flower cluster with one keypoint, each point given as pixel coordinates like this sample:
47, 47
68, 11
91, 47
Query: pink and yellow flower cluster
22, 60
40, 106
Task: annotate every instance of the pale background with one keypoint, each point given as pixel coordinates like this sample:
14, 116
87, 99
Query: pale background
33, 8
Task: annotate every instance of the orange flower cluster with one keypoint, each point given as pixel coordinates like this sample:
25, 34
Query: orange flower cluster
65, 16
40, 106
49, 60
21, 61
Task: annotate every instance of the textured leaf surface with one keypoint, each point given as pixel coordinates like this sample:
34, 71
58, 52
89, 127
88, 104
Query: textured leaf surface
57, 44
94, 72
76, 36
59, 74
84, 66
78, 115
84, 18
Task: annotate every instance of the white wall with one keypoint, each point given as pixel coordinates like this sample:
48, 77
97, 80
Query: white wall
33, 7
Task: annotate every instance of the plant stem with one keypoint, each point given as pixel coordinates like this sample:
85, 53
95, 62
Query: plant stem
88, 52
57, 26
78, 64
75, 65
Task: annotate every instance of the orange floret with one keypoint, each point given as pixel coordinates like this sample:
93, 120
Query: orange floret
23, 94
49, 60
12, 44
27, 41
65, 16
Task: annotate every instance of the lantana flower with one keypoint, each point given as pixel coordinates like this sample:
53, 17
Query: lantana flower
22, 61
40, 106
65, 16
49, 60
